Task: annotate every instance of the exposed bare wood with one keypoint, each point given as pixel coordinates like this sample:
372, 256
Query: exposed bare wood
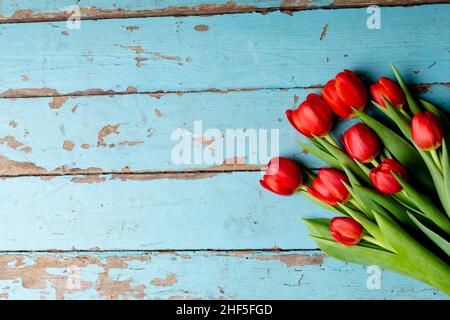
61, 98
11, 169
25, 15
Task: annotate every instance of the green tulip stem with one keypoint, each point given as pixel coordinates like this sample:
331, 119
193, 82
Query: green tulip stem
331, 140
374, 162
436, 159
405, 114
387, 153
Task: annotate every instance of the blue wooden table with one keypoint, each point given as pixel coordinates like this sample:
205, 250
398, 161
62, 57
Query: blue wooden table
92, 203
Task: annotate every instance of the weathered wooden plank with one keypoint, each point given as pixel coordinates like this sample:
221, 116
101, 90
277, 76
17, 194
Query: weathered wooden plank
237, 51
54, 10
175, 275
69, 135
140, 212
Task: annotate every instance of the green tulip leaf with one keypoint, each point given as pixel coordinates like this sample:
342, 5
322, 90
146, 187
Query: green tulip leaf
368, 204
369, 256
407, 202
322, 155
437, 178
356, 201
399, 119
353, 182
431, 267
437, 239
387, 153
446, 168
320, 203
319, 228
398, 210
425, 205
409, 98
317, 144
379, 107
351, 177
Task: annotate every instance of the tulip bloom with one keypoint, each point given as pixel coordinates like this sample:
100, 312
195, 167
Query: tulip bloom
346, 230
390, 90
361, 143
426, 131
313, 117
328, 187
283, 176
383, 179
345, 92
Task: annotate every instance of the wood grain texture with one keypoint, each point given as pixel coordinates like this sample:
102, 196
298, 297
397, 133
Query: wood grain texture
175, 275
132, 133
237, 51
12, 11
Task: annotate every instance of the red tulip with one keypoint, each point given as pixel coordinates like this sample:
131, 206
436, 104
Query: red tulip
346, 230
313, 117
282, 177
361, 143
328, 187
426, 131
390, 90
383, 179
345, 92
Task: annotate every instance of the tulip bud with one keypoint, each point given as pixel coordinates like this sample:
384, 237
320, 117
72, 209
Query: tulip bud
345, 92
383, 179
390, 90
361, 143
313, 117
282, 177
426, 131
328, 187
346, 230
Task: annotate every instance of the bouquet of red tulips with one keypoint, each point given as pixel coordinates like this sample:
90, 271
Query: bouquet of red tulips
388, 180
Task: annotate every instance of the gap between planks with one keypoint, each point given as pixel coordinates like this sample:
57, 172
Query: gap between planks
156, 251
30, 93
27, 93
231, 7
